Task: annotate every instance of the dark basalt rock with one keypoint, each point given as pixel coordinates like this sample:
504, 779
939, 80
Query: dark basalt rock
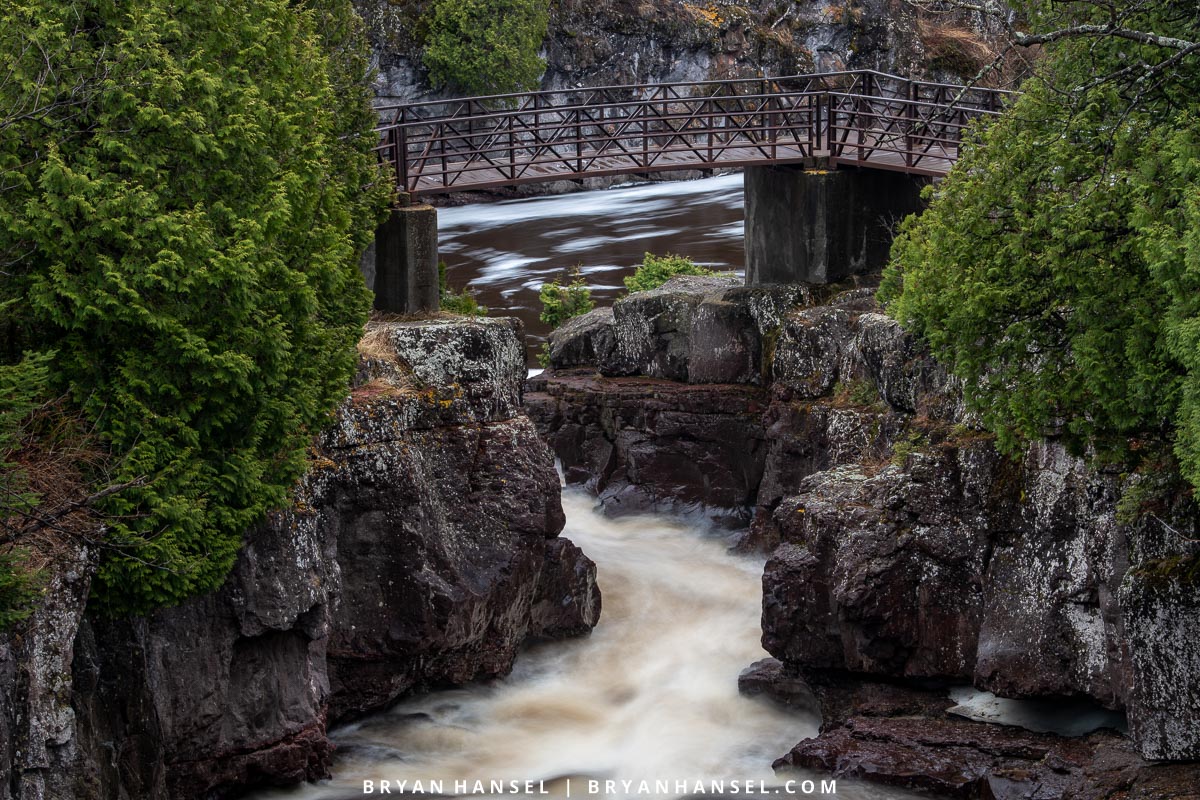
611, 433
223, 691
878, 577
420, 550
769, 677
957, 564
654, 329
901, 735
442, 559
903, 545
698, 329
584, 340
674, 423
1161, 611
567, 602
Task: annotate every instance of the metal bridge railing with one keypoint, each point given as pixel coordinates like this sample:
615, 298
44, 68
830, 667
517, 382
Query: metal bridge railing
865, 118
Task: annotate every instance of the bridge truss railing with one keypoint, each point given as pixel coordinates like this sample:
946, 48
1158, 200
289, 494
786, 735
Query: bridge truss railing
850, 117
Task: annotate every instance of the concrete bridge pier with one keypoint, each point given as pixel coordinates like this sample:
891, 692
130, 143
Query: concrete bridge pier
404, 270
819, 224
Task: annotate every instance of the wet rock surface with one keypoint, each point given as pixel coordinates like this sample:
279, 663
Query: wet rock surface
902, 736
904, 547
421, 550
694, 406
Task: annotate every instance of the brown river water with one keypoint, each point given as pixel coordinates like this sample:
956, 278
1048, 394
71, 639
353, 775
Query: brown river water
504, 252
652, 694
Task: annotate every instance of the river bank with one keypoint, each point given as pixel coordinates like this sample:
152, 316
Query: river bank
904, 549
420, 551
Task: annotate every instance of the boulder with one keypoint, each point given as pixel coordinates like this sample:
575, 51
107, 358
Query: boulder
901, 736
586, 340
769, 678
697, 329
653, 328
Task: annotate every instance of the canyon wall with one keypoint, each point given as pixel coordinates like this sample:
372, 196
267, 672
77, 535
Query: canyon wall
903, 546
615, 42
421, 551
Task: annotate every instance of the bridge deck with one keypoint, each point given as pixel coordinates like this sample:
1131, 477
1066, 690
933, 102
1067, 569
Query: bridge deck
859, 118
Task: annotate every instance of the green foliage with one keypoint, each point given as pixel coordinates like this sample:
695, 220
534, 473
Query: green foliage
17, 588
914, 442
863, 393
562, 302
657, 270
1057, 270
486, 46
457, 302
1150, 490
187, 189
23, 388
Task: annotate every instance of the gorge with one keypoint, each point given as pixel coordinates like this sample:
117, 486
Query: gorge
729, 533
816, 423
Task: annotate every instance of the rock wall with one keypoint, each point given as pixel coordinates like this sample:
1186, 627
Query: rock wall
37, 722
421, 550
902, 544
615, 42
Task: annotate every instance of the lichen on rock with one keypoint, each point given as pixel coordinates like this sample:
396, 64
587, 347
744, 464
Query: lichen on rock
420, 550
903, 545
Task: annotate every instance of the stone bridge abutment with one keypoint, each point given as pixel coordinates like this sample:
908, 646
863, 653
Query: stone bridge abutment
818, 223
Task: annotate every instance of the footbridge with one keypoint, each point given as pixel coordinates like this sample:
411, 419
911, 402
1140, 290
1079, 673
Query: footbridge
831, 160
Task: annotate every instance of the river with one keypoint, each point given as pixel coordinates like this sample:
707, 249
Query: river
650, 695
505, 251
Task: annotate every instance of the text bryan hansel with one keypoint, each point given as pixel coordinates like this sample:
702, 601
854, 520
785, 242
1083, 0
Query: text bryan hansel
456, 787
608, 788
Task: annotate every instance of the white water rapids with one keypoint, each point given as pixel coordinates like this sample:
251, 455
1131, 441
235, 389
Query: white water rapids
503, 252
651, 694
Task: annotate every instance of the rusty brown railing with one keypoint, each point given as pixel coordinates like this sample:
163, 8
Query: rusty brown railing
861, 118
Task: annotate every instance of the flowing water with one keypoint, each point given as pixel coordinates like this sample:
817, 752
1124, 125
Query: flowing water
504, 252
650, 695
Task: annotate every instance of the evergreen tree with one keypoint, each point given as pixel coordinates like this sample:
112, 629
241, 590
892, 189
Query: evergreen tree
486, 46
1058, 266
187, 187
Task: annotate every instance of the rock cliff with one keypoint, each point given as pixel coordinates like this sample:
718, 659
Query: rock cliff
903, 546
615, 42
421, 550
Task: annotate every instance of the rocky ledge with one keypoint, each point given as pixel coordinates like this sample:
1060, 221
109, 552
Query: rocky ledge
421, 551
903, 547
914, 738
